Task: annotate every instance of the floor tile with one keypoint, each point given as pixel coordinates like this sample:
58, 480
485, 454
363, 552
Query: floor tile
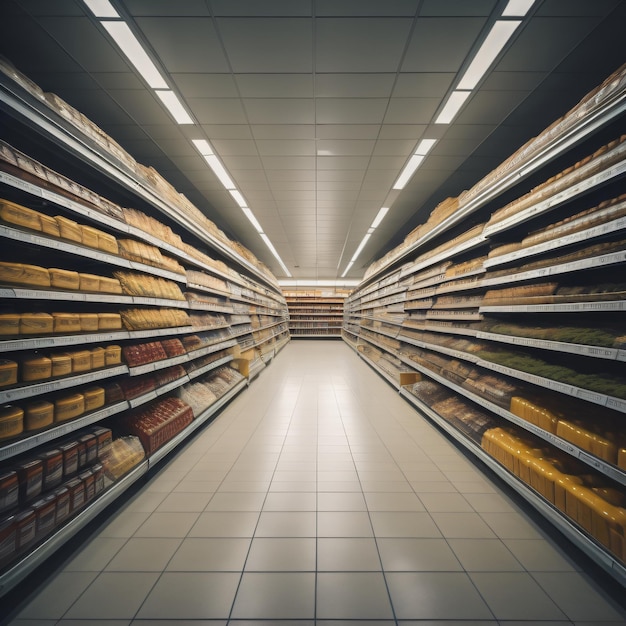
516, 596
197, 595
236, 501
145, 502
275, 596
417, 555
95, 555
341, 501
489, 503
123, 524
210, 554
347, 554
343, 524
462, 525
143, 554
484, 555
436, 595
433, 487
539, 555
403, 524
184, 502
579, 598
377, 501
57, 596
284, 554
286, 524
290, 501
128, 589
352, 595
225, 524
512, 526
445, 503
167, 525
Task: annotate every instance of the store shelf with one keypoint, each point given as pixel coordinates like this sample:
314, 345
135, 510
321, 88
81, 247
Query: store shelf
565, 307
545, 508
209, 366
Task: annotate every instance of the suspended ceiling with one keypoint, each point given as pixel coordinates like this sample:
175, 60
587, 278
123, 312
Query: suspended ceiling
314, 106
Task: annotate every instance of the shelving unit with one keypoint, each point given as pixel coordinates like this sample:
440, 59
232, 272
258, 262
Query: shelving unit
520, 319
226, 313
315, 312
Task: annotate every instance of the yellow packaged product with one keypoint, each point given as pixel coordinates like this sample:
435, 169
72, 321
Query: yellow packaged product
9, 324
69, 229
107, 243
110, 285
88, 322
621, 458
49, 226
36, 368
89, 282
8, 372
98, 358
534, 413
38, 415
36, 324
66, 323
11, 421
18, 215
113, 355
94, 398
109, 321
89, 236
81, 361
69, 407
22, 274
64, 279
61, 364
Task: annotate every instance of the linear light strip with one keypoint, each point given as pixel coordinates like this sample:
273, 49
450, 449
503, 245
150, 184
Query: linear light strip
452, 106
102, 8
517, 8
174, 106
273, 250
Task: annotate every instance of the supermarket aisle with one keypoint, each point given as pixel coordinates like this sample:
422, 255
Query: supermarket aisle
319, 496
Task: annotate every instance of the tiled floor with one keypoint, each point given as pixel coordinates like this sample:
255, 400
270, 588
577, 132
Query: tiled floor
319, 496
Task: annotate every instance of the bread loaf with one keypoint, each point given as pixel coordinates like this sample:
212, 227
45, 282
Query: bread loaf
22, 274
66, 323
49, 226
11, 421
36, 324
9, 324
38, 414
89, 282
8, 372
69, 229
36, 368
13, 213
61, 364
69, 407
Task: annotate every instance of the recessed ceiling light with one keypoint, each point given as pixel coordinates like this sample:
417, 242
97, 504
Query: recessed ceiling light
202, 146
250, 215
174, 106
379, 217
239, 199
517, 8
452, 106
408, 171
101, 8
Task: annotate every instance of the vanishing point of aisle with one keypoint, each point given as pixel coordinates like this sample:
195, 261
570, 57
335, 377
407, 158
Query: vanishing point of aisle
319, 496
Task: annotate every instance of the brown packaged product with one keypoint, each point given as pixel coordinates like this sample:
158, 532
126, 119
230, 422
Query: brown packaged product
91, 448
70, 458
52, 461
109, 321
63, 510
38, 414
8, 541
98, 473
113, 393
89, 236
76, 491
30, 476
23, 274
9, 491
89, 481
45, 515
104, 437
26, 528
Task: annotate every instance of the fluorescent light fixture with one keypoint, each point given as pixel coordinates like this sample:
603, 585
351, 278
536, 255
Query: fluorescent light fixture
130, 46
101, 8
317, 283
239, 199
202, 146
174, 106
348, 268
250, 215
495, 41
408, 171
268, 243
452, 106
424, 146
517, 8
219, 171
379, 217
361, 246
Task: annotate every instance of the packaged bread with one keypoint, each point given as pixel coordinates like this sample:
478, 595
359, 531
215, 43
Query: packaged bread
22, 274
61, 364
38, 414
107, 243
110, 285
109, 321
112, 355
35, 367
89, 282
11, 421
94, 398
13, 213
89, 236
88, 322
49, 226
69, 407
63, 279
8, 372
69, 229
66, 323
9, 324
534, 413
81, 361
36, 324
98, 358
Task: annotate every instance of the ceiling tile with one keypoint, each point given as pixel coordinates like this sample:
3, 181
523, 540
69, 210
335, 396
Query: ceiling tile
235, 162
205, 85
283, 131
289, 163
343, 147
457, 7
342, 175
347, 131
286, 147
240, 147
342, 163
564, 8
276, 111
346, 45
166, 7
255, 8
367, 85
423, 84
489, 107
411, 110
366, 8
402, 131
350, 110
275, 85
430, 50
394, 147
185, 44
227, 131
394, 163
217, 110
259, 45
